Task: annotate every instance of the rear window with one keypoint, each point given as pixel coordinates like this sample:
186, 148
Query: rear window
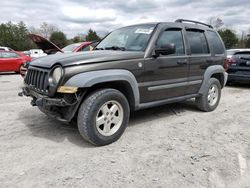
242, 53
216, 43
197, 42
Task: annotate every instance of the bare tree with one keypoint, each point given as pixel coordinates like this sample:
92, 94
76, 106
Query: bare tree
44, 30
216, 22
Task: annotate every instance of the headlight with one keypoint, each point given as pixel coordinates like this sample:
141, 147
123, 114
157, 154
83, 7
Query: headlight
56, 75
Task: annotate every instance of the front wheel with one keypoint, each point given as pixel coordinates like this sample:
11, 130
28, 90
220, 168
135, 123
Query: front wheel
210, 99
103, 116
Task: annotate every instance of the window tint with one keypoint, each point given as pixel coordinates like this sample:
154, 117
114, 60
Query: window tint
9, 55
215, 41
197, 42
172, 37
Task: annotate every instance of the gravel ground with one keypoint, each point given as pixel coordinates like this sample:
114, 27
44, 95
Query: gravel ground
169, 146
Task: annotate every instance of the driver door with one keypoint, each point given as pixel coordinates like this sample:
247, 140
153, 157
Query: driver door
166, 76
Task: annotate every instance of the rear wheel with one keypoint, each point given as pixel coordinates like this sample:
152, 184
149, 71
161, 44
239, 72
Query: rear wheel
103, 116
210, 99
20, 69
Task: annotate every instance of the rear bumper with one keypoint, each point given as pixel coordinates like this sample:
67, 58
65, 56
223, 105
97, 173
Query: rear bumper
238, 77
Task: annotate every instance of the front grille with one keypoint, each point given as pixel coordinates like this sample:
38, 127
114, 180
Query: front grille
37, 79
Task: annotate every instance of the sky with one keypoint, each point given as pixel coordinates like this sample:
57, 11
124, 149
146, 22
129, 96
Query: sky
77, 16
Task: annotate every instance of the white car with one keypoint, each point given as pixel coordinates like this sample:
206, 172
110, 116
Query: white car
5, 48
35, 53
231, 52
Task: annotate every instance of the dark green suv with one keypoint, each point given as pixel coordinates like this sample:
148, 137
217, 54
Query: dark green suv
132, 68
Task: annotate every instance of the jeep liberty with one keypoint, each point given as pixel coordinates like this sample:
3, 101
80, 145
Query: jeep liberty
132, 68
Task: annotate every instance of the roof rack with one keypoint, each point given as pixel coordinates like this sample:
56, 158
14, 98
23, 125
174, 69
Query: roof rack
192, 21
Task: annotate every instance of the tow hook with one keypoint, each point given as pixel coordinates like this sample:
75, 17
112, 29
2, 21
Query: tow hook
33, 102
20, 94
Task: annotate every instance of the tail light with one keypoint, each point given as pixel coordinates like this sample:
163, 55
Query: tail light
228, 62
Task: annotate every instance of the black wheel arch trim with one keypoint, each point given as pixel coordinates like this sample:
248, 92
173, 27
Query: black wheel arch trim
91, 78
210, 71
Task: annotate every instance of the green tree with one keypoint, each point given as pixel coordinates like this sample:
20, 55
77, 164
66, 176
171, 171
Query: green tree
59, 39
229, 37
76, 39
92, 36
15, 36
247, 42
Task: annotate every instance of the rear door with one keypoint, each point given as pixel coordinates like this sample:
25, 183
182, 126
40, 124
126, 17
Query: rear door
199, 59
10, 61
2, 63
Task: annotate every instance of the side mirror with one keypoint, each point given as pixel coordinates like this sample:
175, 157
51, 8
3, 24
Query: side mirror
165, 49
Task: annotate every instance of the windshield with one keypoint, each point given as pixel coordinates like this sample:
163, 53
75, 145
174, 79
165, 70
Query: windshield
71, 47
132, 38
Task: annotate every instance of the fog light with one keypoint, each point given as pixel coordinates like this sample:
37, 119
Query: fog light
67, 89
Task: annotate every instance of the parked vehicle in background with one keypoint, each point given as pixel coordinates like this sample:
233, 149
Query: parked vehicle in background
44, 44
80, 47
232, 52
35, 53
27, 52
11, 61
238, 65
132, 68
50, 48
6, 48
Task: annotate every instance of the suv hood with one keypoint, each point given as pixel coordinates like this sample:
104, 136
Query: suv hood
44, 44
70, 59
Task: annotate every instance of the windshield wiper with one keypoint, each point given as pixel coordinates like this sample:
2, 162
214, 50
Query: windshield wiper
99, 49
115, 48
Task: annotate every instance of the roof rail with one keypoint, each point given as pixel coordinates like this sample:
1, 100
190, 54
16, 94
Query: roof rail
192, 21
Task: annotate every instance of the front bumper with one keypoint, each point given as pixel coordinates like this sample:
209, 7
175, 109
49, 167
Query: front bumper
43, 100
61, 108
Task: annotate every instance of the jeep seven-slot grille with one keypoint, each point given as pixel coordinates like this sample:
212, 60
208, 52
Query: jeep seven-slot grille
37, 79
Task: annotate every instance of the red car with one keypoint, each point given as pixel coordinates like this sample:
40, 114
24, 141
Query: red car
50, 48
79, 47
11, 61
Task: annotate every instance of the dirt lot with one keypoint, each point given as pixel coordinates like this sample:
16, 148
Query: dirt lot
169, 146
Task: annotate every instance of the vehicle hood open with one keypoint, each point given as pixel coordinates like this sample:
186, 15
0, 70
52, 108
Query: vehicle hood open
47, 46
97, 56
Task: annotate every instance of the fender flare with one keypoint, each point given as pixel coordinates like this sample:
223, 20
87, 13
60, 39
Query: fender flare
88, 79
208, 74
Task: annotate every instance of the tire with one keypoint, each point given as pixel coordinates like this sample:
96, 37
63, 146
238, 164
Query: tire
209, 100
111, 108
20, 69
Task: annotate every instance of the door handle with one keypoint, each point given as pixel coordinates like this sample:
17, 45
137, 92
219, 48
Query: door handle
209, 61
182, 62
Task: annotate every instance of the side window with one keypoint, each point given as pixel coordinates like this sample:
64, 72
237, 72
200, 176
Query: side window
215, 41
197, 42
9, 55
173, 36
